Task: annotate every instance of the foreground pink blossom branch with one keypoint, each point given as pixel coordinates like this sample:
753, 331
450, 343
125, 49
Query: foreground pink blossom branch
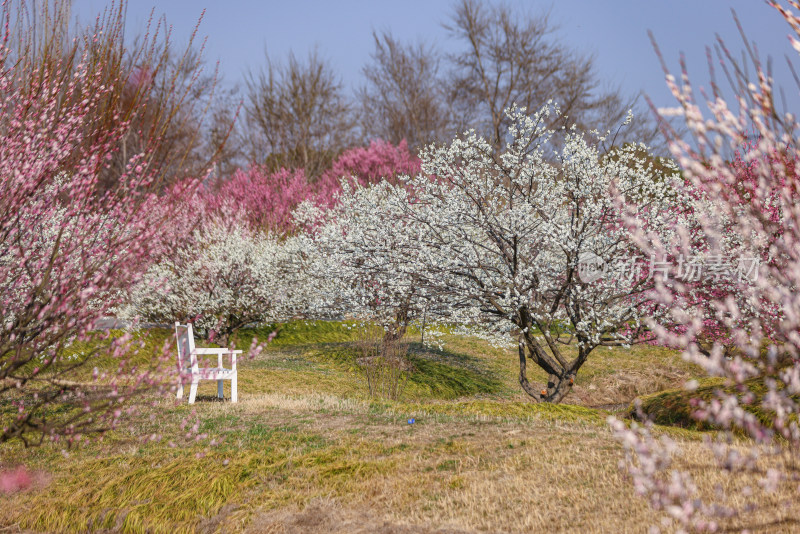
749, 206
70, 246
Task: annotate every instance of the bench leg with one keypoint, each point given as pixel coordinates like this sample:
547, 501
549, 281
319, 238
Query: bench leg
219, 389
192, 391
180, 389
235, 389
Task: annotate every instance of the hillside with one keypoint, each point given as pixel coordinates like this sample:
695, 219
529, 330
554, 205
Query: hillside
306, 450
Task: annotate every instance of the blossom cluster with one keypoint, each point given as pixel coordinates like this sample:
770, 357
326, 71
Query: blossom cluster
265, 200
69, 249
745, 331
491, 242
224, 277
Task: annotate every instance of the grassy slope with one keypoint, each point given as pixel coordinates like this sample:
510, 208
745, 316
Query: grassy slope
306, 451
306, 357
675, 406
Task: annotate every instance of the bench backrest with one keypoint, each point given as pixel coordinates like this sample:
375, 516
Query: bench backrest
186, 358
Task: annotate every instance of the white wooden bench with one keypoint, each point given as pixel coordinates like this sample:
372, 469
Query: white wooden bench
189, 370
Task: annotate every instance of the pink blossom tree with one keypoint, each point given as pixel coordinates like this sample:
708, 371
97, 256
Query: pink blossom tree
70, 245
749, 208
379, 161
266, 199
709, 265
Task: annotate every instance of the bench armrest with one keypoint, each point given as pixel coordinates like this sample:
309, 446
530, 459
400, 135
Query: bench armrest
214, 350
219, 352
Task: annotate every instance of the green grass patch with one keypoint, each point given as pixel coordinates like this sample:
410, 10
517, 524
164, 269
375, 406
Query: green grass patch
321, 357
431, 379
674, 407
300, 333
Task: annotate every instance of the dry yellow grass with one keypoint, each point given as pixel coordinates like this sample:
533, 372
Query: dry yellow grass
330, 464
307, 451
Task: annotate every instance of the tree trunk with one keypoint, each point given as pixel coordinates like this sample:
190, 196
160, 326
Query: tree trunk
527, 387
559, 383
397, 330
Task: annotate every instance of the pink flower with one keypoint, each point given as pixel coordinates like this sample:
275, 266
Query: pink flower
15, 480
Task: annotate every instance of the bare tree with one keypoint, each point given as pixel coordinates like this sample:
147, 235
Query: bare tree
404, 97
224, 132
298, 114
513, 57
163, 92
180, 96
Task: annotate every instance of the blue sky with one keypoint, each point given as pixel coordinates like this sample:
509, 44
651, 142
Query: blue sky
614, 31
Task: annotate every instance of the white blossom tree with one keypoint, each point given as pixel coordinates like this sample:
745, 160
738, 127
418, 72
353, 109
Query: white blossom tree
501, 238
360, 267
223, 278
